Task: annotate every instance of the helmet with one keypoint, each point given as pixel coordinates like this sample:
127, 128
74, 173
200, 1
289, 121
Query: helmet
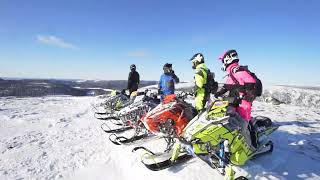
196, 60
133, 67
167, 68
168, 65
229, 57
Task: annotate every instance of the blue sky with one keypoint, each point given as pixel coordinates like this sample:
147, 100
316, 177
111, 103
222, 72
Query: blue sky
279, 40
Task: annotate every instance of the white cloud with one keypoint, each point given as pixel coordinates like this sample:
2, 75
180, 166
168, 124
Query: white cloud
142, 53
55, 41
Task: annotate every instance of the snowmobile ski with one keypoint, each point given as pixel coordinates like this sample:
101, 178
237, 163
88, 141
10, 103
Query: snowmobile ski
101, 113
168, 163
118, 130
105, 116
263, 149
164, 161
119, 140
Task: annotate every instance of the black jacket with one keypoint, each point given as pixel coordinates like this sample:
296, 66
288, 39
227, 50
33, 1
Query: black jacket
133, 80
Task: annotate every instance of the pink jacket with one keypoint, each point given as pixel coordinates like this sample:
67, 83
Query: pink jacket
241, 76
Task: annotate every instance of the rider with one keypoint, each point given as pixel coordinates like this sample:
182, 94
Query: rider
240, 85
201, 76
133, 79
167, 81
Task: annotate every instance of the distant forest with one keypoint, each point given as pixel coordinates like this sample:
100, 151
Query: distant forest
44, 87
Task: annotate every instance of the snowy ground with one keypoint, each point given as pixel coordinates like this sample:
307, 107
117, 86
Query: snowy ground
58, 138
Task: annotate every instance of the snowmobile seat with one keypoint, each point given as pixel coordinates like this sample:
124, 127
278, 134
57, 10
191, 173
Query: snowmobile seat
261, 122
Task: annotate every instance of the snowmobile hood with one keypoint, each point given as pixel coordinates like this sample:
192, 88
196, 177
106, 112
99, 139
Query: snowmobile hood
159, 109
198, 124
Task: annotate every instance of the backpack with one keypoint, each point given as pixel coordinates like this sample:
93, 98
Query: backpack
211, 85
257, 90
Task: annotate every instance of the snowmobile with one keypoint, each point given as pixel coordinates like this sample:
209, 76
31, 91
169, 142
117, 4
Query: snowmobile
114, 103
129, 118
166, 120
216, 137
169, 118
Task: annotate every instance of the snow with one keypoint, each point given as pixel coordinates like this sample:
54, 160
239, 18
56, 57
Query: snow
107, 90
57, 137
300, 96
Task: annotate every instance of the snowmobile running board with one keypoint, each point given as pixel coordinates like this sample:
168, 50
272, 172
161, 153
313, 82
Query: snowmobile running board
119, 140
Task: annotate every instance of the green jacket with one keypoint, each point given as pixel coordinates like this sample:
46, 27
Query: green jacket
201, 76
200, 79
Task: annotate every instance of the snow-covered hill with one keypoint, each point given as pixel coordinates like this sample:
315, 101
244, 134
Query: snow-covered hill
57, 137
299, 96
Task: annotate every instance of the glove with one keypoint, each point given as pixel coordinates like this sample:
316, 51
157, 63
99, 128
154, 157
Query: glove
218, 96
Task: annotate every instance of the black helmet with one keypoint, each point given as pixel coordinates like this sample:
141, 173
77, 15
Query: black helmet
167, 68
196, 60
167, 65
133, 67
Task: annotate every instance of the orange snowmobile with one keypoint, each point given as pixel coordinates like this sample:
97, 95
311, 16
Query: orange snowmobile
169, 118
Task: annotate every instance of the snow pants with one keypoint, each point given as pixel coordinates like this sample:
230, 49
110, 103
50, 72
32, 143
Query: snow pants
201, 99
244, 110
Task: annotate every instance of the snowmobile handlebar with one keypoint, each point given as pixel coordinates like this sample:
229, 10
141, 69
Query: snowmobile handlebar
184, 95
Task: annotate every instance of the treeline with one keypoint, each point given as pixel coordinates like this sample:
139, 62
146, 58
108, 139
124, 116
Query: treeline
40, 87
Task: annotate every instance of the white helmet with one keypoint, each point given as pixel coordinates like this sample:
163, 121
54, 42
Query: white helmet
229, 57
196, 60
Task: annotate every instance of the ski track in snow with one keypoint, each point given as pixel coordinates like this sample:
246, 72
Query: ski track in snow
58, 138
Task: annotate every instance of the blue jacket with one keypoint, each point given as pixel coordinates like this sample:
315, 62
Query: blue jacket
166, 84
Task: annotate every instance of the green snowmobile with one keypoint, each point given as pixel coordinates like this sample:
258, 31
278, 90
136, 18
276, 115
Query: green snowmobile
220, 138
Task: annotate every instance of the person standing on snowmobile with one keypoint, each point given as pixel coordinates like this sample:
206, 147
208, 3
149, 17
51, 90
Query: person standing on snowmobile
167, 81
133, 79
201, 91
240, 85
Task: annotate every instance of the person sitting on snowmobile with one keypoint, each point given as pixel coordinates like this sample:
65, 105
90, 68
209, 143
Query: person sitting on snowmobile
167, 81
201, 92
240, 85
133, 79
